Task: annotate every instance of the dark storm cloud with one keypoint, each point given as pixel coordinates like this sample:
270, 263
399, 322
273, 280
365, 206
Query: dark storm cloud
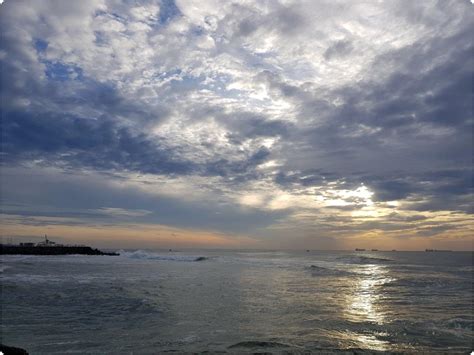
103, 145
450, 189
420, 92
96, 143
391, 190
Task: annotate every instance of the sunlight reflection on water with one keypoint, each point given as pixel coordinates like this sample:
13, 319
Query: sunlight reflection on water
364, 304
181, 306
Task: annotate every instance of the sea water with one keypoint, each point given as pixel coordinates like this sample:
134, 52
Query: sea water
238, 301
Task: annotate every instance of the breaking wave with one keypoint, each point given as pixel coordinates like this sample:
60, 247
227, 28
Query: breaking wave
322, 271
147, 255
459, 323
3, 268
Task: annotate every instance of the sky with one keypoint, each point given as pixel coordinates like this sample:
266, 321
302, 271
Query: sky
280, 124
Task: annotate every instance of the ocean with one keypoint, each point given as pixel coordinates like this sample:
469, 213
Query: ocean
238, 302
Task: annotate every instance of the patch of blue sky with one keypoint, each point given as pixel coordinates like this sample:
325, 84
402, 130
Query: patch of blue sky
219, 83
197, 31
187, 82
174, 74
179, 79
40, 45
168, 11
101, 39
62, 72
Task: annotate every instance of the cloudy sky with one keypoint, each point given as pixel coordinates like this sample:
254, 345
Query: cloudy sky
253, 123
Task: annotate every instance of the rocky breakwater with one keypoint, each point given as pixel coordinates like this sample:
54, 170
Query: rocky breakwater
6, 249
10, 350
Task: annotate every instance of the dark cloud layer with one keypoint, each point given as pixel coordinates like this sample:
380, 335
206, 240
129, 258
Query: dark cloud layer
95, 143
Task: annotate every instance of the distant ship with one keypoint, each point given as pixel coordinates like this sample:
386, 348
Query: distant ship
437, 250
357, 249
48, 247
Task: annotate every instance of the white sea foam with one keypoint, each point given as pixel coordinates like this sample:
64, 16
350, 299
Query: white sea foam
4, 267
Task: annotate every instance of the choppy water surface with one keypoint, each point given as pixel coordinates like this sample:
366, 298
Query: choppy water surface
145, 302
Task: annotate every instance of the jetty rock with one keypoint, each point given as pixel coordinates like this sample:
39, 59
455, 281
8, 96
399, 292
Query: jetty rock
6, 249
10, 350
